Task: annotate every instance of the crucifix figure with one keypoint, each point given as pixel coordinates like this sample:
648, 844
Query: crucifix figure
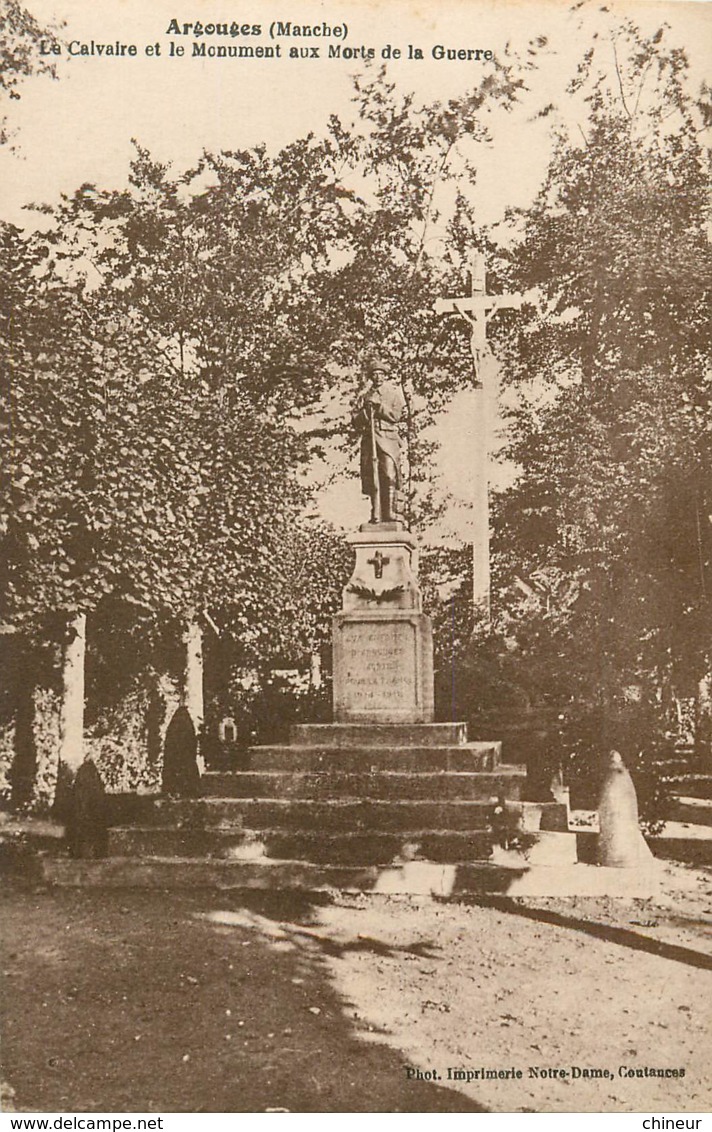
477, 309
378, 562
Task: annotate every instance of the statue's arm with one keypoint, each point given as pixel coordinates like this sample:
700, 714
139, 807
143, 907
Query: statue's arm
391, 408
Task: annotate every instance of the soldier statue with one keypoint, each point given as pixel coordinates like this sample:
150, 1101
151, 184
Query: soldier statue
376, 418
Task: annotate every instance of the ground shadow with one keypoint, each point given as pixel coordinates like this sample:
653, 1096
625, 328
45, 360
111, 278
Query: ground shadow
131, 1001
625, 937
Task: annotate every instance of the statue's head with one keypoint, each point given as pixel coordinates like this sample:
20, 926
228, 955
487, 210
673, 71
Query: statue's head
377, 370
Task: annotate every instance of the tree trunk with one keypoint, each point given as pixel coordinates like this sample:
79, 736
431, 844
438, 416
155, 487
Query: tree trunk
703, 717
315, 677
23, 773
484, 415
155, 714
193, 678
71, 718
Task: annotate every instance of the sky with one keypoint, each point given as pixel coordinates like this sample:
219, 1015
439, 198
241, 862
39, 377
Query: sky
79, 129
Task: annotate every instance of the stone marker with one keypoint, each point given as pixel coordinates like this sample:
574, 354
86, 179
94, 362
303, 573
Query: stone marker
87, 818
505, 823
180, 757
621, 845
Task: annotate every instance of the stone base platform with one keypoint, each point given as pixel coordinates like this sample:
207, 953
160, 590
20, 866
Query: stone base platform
396, 735
414, 878
353, 806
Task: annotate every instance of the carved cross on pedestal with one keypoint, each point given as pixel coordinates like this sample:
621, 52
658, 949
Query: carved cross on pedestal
378, 562
477, 308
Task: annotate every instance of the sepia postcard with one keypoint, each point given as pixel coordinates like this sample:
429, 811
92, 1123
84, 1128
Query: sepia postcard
356, 707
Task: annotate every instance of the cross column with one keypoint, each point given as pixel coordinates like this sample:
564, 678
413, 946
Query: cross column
477, 308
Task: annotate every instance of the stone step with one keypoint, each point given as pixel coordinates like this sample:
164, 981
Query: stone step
421, 878
170, 841
378, 734
679, 765
681, 841
464, 756
122, 808
347, 815
695, 811
415, 878
448, 786
691, 785
322, 848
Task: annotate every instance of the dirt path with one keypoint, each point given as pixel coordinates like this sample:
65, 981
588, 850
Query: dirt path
491, 991
156, 1002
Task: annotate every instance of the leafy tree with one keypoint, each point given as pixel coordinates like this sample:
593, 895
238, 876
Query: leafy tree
160, 346
88, 480
611, 507
20, 39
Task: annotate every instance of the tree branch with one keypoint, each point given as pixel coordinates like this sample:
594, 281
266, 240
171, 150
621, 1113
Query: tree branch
620, 81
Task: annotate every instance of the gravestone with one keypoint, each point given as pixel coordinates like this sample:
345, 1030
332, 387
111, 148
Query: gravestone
87, 814
180, 757
621, 844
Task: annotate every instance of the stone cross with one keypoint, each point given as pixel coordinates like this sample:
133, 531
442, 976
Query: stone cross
477, 309
378, 562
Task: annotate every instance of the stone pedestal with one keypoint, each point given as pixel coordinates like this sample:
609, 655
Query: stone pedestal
383, 667
383, 649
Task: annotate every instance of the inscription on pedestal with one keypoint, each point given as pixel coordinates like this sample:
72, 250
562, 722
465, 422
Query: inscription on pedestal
383, 667
380, 664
